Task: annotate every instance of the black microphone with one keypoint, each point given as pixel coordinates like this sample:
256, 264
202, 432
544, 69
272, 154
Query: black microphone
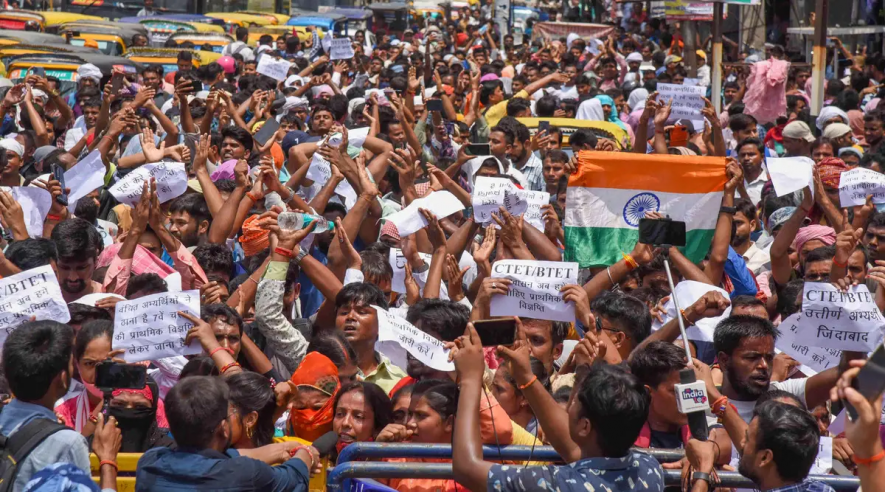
691, 399
325, 444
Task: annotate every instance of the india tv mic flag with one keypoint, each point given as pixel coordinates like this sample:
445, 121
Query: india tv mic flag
611, 191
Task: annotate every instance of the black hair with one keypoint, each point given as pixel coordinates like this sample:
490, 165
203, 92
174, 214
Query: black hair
210, 71
627, 313
741, 121
583, 137
375, 267
442, 398
754, 142
517, 105
242, 33
240, 135
201, 365
31, 253
192, 203
214, 258
787, 296
446, 318
81, 313
146, 282
33, 355
616, 403
824, 253
360, 292
90, 331
221, 311
333, 345
557, 155
252, 392
487, 88
382, 407
791, 434
731, 331
746, 207
745, 301
185, 55
76, 240
654, 362
194, 407
779, 394
546, 106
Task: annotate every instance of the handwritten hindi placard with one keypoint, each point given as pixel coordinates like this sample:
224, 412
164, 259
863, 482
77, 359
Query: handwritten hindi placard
534, 289
33, 292
687, 100
396, 337
791, 343
320, 171
535, 200
341, 49
844, 320
488, 196
84, 177
171, 180
35, 203
275, 69
440, 203
150, 328
859, 183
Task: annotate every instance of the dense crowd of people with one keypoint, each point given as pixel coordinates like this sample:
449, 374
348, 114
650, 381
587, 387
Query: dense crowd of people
288, 324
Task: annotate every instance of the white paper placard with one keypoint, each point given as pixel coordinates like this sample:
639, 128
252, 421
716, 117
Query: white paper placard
488, 197
320, 171
687, 100
534, 215
171, 180
84, 177
275, 69
396, 337
534, 289
857, 184
840, 320
790, 174
687, 293
33, 292
150, 328
409, 220
823, 462
35, 203
819, 359
341, 49
398, 263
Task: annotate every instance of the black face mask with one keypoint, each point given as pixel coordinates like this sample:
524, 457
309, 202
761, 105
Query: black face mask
135, 424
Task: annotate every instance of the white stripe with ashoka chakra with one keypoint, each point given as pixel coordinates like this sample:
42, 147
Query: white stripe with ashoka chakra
604, 207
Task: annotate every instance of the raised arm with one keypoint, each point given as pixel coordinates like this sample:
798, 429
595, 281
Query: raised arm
722, 236
781, 267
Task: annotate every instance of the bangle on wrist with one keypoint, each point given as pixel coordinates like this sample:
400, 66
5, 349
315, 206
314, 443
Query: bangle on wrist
228, 366
53, 217
868, 461
685, 317
523, 387
283, 252
838, 264
216, 349
109, 463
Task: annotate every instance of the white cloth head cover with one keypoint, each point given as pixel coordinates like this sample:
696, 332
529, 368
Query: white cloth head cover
89, 71
354, 103
292, 80
590, 110
571, 39
829, 112
634, 57
637, 99
13, 145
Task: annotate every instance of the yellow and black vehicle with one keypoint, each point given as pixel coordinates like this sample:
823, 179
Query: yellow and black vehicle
602, 129
217, 41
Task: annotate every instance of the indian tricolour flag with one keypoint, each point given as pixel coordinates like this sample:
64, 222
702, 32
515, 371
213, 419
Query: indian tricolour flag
611, 191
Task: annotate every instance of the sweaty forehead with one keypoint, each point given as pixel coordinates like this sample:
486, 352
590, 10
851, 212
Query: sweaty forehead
764, 344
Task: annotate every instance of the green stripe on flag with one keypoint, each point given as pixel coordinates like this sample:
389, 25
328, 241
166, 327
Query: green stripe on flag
602, 246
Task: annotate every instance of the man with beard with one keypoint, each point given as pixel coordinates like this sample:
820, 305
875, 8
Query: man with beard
745, 223
522, 158
189, 219
236, 143
79, 245
874, 237
745, 349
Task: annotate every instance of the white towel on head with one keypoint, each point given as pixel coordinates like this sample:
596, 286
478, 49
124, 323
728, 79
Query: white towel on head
590, 110
13, 145
89, 71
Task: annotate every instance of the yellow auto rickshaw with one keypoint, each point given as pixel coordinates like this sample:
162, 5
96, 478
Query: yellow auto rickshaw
279, 19
602, 129
36, 38
56, 19
21, 20
161, 29
165, 57
108, 39
216, 41
233, 20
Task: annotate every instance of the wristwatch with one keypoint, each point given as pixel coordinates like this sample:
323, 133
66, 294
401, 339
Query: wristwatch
699, 475
727, 210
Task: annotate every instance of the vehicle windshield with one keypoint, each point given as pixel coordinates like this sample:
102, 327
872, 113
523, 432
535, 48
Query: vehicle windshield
107, 47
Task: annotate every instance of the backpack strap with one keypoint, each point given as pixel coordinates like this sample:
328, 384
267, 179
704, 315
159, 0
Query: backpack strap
21, 443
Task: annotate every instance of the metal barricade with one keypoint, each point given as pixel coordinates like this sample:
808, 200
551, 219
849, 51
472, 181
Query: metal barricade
348, 467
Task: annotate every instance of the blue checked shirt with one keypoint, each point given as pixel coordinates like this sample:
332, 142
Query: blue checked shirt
533, 172
633, 472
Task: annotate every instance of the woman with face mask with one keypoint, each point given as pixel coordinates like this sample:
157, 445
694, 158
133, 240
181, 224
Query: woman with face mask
316, 381
141, 418
81, 406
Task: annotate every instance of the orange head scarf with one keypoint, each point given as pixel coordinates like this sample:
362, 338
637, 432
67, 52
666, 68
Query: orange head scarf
318, 372
254, 239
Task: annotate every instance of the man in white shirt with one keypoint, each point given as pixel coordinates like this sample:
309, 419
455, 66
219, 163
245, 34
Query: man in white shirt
148, 9
750, 153
745, 349
240, 46
746, 222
